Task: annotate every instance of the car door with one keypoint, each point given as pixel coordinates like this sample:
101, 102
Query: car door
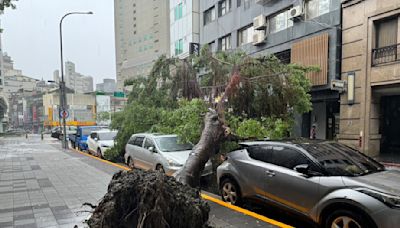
251, 171
288, 187
91, 142
150, 157
138, 154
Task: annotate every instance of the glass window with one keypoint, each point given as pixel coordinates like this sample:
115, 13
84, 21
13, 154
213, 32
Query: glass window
148, 143
245, 35
178, 11
386, 32
225, 43
239, 2
171, 144
315, 8
280, 21
107, 135
224, 7
246, 4
179, 47
209, 15
138, 141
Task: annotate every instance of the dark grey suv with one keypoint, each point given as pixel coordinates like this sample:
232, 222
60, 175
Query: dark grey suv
327, 182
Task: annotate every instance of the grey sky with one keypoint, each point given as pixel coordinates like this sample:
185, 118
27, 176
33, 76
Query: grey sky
31, 37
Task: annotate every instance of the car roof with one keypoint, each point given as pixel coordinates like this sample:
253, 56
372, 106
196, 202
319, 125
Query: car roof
154, 135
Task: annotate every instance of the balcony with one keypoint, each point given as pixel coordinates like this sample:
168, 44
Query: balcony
386, 54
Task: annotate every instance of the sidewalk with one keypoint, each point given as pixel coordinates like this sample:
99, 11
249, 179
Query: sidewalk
43, 186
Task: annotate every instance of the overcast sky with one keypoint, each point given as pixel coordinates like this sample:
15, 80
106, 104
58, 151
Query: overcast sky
31, 37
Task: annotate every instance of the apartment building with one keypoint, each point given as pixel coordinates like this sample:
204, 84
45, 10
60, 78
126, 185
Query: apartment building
303, 32
141, 36
76, 81
184, 26
370, 108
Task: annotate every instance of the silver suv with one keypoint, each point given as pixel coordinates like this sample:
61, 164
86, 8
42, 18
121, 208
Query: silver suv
327, 182
159, 152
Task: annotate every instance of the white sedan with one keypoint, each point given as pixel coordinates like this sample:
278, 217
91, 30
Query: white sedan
100, 141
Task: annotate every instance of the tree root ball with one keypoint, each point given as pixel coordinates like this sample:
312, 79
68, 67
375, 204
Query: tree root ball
149, 199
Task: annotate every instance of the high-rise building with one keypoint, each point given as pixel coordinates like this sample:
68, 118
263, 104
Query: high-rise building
74, 80
184, 26
108, 86
141, 36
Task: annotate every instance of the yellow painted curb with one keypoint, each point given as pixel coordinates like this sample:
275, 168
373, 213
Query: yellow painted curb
206, 197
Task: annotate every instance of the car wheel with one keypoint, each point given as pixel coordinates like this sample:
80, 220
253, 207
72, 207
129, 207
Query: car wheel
99, 153
160, 168
131, 163
230, 192
346, 219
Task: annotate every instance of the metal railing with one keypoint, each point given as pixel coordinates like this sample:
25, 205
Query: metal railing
386, 54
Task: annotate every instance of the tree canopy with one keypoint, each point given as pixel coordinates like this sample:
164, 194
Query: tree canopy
260, 96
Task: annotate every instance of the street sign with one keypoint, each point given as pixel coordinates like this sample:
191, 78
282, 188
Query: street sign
64, 114
194, 48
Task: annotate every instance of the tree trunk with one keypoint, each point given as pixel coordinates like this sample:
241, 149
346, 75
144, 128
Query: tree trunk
211, 138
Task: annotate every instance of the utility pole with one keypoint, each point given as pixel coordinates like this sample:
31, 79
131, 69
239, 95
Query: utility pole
63, 97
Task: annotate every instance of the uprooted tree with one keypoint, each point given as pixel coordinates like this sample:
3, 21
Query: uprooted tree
238, 97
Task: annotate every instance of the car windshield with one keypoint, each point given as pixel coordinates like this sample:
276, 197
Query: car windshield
107, 135
171, 144
341, 160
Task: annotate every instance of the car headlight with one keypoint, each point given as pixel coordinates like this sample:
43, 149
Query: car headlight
173, 163
390, 200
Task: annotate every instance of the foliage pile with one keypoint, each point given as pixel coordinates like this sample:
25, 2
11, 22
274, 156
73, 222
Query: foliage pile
261, 104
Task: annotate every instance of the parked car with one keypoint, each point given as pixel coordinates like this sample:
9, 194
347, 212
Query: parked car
100, 141
55, 132
329, 183
78, 139
159, 152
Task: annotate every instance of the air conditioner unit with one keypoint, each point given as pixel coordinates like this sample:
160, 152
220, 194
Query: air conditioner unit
259, 38
260, 22
296, 12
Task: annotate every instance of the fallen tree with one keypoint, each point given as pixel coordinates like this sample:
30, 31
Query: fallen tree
149, 199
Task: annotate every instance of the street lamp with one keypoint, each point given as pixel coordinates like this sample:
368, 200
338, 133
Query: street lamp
63, 99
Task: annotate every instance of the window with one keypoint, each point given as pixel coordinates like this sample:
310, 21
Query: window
315, 8
178, 11
239, 2
138, 141
224, 7
245, 35
148, 143
246, 4
280, 21
179, 47
225, 43
209, 15
386, 32
278, 155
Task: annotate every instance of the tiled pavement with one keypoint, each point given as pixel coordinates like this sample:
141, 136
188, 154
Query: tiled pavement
43, 186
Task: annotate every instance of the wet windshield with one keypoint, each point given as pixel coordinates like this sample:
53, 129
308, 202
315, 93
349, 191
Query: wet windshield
340, 160
171, 144
107, 135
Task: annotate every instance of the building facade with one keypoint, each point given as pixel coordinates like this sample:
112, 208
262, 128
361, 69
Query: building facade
184, 17
74, 80
303, 32
81, 108
108, 86
3, 97
141, 36
369, 114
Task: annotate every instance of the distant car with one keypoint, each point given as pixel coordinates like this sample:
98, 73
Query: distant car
100, 141
329, 183
55, 132
159, 152
78, 139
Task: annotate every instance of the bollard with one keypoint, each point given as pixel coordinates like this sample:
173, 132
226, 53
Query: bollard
26, 135
41, 135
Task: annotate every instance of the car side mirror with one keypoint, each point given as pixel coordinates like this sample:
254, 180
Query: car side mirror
152, 149
303, 168
96, 139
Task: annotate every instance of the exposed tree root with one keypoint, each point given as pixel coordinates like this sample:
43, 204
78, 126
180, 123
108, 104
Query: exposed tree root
149, 199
